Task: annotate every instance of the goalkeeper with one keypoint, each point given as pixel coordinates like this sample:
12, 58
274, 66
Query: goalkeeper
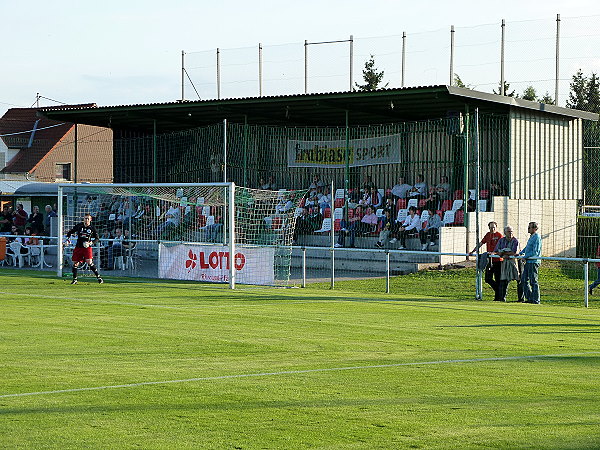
86, 237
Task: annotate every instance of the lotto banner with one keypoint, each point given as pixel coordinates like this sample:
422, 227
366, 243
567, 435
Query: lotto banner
211, 263
332, 154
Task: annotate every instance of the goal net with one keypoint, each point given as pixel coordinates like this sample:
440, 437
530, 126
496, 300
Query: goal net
184, 231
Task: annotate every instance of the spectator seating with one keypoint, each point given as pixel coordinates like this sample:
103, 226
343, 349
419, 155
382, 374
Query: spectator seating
413, 202
325, 226
457, 204
327, 212
448, 218
459, 217
401, 204
446, 205
458, 194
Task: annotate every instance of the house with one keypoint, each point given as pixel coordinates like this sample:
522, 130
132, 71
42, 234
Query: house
35, 148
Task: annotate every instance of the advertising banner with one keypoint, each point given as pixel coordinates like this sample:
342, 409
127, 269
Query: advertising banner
332, 154
211, 264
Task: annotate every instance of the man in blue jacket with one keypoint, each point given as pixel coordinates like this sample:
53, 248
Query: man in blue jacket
529, 278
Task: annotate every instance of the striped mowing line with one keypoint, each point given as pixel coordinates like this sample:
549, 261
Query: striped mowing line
296, 372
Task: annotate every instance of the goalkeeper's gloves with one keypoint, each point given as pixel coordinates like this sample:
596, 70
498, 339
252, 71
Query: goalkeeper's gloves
86, 244
67, 241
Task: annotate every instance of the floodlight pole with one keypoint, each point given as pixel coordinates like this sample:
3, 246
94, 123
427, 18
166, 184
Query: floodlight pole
557, 74
451, 55
501, 90
182, 76
403, 56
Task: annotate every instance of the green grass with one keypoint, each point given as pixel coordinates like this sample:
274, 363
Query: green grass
267, 366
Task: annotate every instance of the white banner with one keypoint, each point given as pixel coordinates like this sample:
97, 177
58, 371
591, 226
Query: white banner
332, 154
211, 263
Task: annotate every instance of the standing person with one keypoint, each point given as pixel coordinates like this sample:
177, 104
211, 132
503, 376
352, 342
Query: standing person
20, 217
50, 213
36, 220
86, 237
532, 251
492, 269
508, 246
597, 282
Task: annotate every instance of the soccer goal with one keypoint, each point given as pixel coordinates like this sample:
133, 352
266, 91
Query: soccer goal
184, 231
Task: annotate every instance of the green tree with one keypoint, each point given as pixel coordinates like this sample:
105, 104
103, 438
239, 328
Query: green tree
459, 83
577, 94
530, 94
506, 90
371, 76
547, 99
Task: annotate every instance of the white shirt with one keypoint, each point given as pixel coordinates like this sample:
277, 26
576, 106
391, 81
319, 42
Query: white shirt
411, 223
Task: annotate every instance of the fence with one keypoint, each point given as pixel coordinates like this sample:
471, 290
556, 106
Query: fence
542, 53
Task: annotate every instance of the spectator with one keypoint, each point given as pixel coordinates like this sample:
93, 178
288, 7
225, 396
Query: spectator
385, 225
597, 282
358, 225
115, 248
36, 220
171, 218
412, 224
6, 220
433, 201
20, 217
508, 246
310, 221
400, 190
316, 183
325, 200
443, 189
529, 279
430, 230
50, 213
419, 190
272, 184
494, 265
262, 184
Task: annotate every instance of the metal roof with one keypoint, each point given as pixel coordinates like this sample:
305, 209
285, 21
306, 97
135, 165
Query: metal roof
364, 107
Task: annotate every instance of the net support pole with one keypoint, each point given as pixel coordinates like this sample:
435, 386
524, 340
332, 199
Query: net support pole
387, 271
59, 233
303, 267
231, 219
586, 282
478, 295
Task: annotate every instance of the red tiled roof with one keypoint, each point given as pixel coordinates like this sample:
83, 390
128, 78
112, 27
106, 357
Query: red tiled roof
16, 130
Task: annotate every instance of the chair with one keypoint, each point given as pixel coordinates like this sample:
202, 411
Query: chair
402, 214
422, 203
483, 205
413, 202
459, 194
484, 193
379, 212
338, 203
456, 205
206, 210
325, 226
276, 223
338, 213
17, 255
448, 218
459, 217
401, 204
424, 215
446, 205
327, 212
130, 256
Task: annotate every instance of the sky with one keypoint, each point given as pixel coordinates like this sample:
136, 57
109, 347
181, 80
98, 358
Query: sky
129, 51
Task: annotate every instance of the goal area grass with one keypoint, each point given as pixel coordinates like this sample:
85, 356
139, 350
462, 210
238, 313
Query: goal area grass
151, 364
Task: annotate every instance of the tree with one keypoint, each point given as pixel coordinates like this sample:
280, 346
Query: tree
577, 94
371, 76
530, 94
547, 99
506, 89
459, 83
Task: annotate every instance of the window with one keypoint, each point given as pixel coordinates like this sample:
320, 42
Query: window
63, 171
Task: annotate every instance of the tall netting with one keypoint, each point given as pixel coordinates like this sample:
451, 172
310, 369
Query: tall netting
183, 231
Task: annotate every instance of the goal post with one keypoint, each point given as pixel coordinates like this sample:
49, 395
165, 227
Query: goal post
211, 232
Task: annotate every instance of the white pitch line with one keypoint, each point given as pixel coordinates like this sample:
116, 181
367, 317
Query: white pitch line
296, 372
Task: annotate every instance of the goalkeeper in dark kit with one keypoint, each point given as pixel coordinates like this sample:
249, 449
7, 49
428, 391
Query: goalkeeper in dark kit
87, 236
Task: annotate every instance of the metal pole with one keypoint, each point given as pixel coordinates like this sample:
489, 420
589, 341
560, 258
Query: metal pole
306, 66
403, 56
466, 174
245, 150
154, 153
387, 271
351, 60
75, 157
451, 55
347, 174
332, 250
479, 293
303, 267
557, 75
332, 207
218, 73
501, 90
224, 150
59, 233
260, 67
182, 75
586, 282
232, 271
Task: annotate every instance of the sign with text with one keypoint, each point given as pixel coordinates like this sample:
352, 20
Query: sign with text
332, 154
211, 264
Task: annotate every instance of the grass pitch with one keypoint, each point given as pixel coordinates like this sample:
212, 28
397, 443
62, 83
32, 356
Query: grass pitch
184, 365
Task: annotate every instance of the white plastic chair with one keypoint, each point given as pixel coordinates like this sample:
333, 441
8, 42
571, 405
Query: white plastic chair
339, 193
338, 213
424, 215
456, 205
380, 212
413, 202
483, 205
448, 218
17, 255
325, 226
